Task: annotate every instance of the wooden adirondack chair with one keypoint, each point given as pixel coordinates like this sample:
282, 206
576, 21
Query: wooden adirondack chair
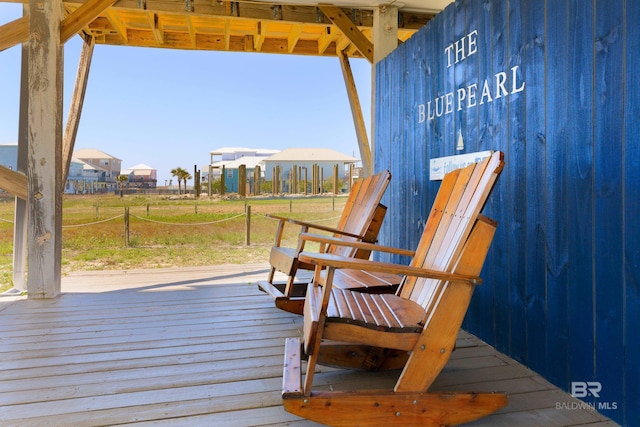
360, 221
422, 321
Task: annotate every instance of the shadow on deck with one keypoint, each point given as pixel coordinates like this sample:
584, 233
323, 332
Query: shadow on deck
203, 347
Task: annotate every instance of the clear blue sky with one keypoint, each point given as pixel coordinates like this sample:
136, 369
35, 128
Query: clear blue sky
169, 108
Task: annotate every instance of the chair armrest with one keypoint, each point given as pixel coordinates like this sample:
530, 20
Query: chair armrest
334, 261
315, 226
329, 240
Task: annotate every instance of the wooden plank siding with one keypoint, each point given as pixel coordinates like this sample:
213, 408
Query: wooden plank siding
202, 347
631, 200
561, 292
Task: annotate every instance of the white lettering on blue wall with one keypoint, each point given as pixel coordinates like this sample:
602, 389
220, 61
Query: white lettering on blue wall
462, 49
500, 85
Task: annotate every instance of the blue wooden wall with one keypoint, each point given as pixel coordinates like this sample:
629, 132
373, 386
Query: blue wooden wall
562, 281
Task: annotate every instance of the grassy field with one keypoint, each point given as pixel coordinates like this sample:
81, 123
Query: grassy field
167, 232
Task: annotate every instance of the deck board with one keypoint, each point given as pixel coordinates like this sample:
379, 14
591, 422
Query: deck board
203, 346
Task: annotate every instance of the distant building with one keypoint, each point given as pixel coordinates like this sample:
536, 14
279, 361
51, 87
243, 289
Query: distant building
141, 176
305, 158
108, 167
231, 158
83, 178
232, 172
9, 155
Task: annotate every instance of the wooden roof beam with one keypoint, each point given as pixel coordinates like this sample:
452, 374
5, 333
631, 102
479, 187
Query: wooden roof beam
261, 11
82, 17
17, 31
75, 109
13, 182
350, 30
14, 32
356, 111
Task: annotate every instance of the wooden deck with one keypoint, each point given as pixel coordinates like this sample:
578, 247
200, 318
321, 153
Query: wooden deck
201, 347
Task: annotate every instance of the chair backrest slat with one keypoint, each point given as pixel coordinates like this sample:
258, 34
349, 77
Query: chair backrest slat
360, 209
447, 229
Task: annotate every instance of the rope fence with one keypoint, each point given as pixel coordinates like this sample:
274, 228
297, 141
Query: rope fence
93, 223
127, 216
188, 223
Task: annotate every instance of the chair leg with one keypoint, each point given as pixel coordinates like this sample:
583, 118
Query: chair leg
271, 275
288, 290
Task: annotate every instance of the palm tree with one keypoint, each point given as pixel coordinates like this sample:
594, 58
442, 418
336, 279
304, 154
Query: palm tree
121, 180
182, 175
177, 172
185, 176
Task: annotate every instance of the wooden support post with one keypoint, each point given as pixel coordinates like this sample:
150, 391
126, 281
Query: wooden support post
335, 179
294, 181
306, 180
21, 208
126, 227
44, 172
350, 178
273, 181
223, 187
385, 40
242, 180
356, 112
247, 240
256, 180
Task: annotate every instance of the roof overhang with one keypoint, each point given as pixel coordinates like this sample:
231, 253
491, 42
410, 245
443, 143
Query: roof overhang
301, 28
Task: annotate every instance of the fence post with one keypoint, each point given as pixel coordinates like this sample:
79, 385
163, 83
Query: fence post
126, 226
247, 240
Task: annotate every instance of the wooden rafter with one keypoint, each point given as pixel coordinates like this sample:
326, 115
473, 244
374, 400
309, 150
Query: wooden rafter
351, 31
325, 40
156, 28
294, 36
117, 24
192, 33
218, 25
82, 16
260, 35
